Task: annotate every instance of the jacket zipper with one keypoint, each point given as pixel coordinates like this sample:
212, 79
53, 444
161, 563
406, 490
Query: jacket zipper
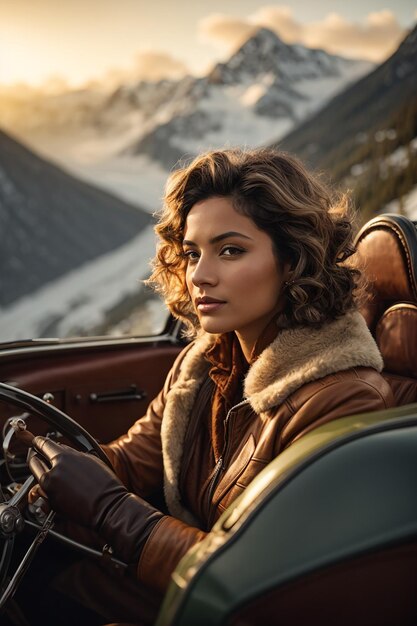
219, 465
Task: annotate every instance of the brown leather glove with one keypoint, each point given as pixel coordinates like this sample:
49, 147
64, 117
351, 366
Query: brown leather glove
86, 491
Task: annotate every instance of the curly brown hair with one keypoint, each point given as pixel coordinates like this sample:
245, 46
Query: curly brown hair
311, 229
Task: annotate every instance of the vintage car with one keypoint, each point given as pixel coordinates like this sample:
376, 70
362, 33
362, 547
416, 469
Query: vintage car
326, 534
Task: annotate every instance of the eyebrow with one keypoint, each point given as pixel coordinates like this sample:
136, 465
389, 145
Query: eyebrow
217, 238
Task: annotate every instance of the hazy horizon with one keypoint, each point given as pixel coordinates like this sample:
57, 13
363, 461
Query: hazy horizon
55, 46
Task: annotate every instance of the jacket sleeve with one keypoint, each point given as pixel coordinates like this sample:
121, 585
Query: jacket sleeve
137, 456
337, 397
168, 542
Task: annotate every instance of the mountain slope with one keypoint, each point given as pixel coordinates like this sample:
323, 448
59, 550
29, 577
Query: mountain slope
337, 130
51, 223
366, 137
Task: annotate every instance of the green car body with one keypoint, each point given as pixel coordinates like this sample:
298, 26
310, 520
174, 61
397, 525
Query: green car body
345, 490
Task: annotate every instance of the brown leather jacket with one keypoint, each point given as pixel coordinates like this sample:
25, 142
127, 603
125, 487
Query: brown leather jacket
301, 380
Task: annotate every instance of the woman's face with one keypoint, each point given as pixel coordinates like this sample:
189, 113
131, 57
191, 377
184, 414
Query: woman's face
233, 275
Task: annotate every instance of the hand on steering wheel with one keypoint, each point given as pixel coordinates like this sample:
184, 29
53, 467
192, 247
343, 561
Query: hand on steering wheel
81, 486
83, 489
12, 519
77, 485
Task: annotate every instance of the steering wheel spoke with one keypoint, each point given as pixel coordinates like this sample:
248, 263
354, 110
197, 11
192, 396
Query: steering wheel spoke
11, 511
21, 569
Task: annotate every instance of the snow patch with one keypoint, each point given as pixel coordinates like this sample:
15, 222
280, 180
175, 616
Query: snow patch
406, 205
80, 299
138, 180
253, 94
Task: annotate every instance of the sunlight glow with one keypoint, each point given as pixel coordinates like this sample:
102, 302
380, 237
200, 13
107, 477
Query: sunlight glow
49, 42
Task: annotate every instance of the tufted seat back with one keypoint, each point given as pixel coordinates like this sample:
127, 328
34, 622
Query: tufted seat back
387, 254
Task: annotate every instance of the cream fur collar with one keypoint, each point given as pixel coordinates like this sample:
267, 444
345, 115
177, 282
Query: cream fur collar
295, 358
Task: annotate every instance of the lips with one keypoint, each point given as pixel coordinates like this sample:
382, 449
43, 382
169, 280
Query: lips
208, 300
207, 304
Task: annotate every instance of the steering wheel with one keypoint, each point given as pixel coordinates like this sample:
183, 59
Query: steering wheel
11, 511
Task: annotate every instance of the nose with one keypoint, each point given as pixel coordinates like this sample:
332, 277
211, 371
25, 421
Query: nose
203, 273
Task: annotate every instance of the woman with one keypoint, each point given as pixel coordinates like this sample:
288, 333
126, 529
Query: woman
252, 259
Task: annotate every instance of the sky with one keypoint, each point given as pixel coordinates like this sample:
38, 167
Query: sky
76, 41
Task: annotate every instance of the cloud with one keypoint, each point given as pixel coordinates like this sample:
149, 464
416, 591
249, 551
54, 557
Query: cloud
225, 30
281, 20
151, 65
55, 84
155, 65
373, 38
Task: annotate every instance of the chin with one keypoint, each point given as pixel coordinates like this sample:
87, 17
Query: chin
215, 328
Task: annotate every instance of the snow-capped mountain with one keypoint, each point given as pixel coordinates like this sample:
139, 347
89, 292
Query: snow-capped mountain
265, 52
265, 89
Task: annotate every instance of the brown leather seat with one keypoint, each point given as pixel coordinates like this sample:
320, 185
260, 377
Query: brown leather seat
387, 254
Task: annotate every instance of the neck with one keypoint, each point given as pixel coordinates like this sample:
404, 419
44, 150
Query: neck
252, 346
246, 346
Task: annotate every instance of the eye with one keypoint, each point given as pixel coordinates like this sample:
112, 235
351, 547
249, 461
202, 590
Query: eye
190, 255
232, 251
